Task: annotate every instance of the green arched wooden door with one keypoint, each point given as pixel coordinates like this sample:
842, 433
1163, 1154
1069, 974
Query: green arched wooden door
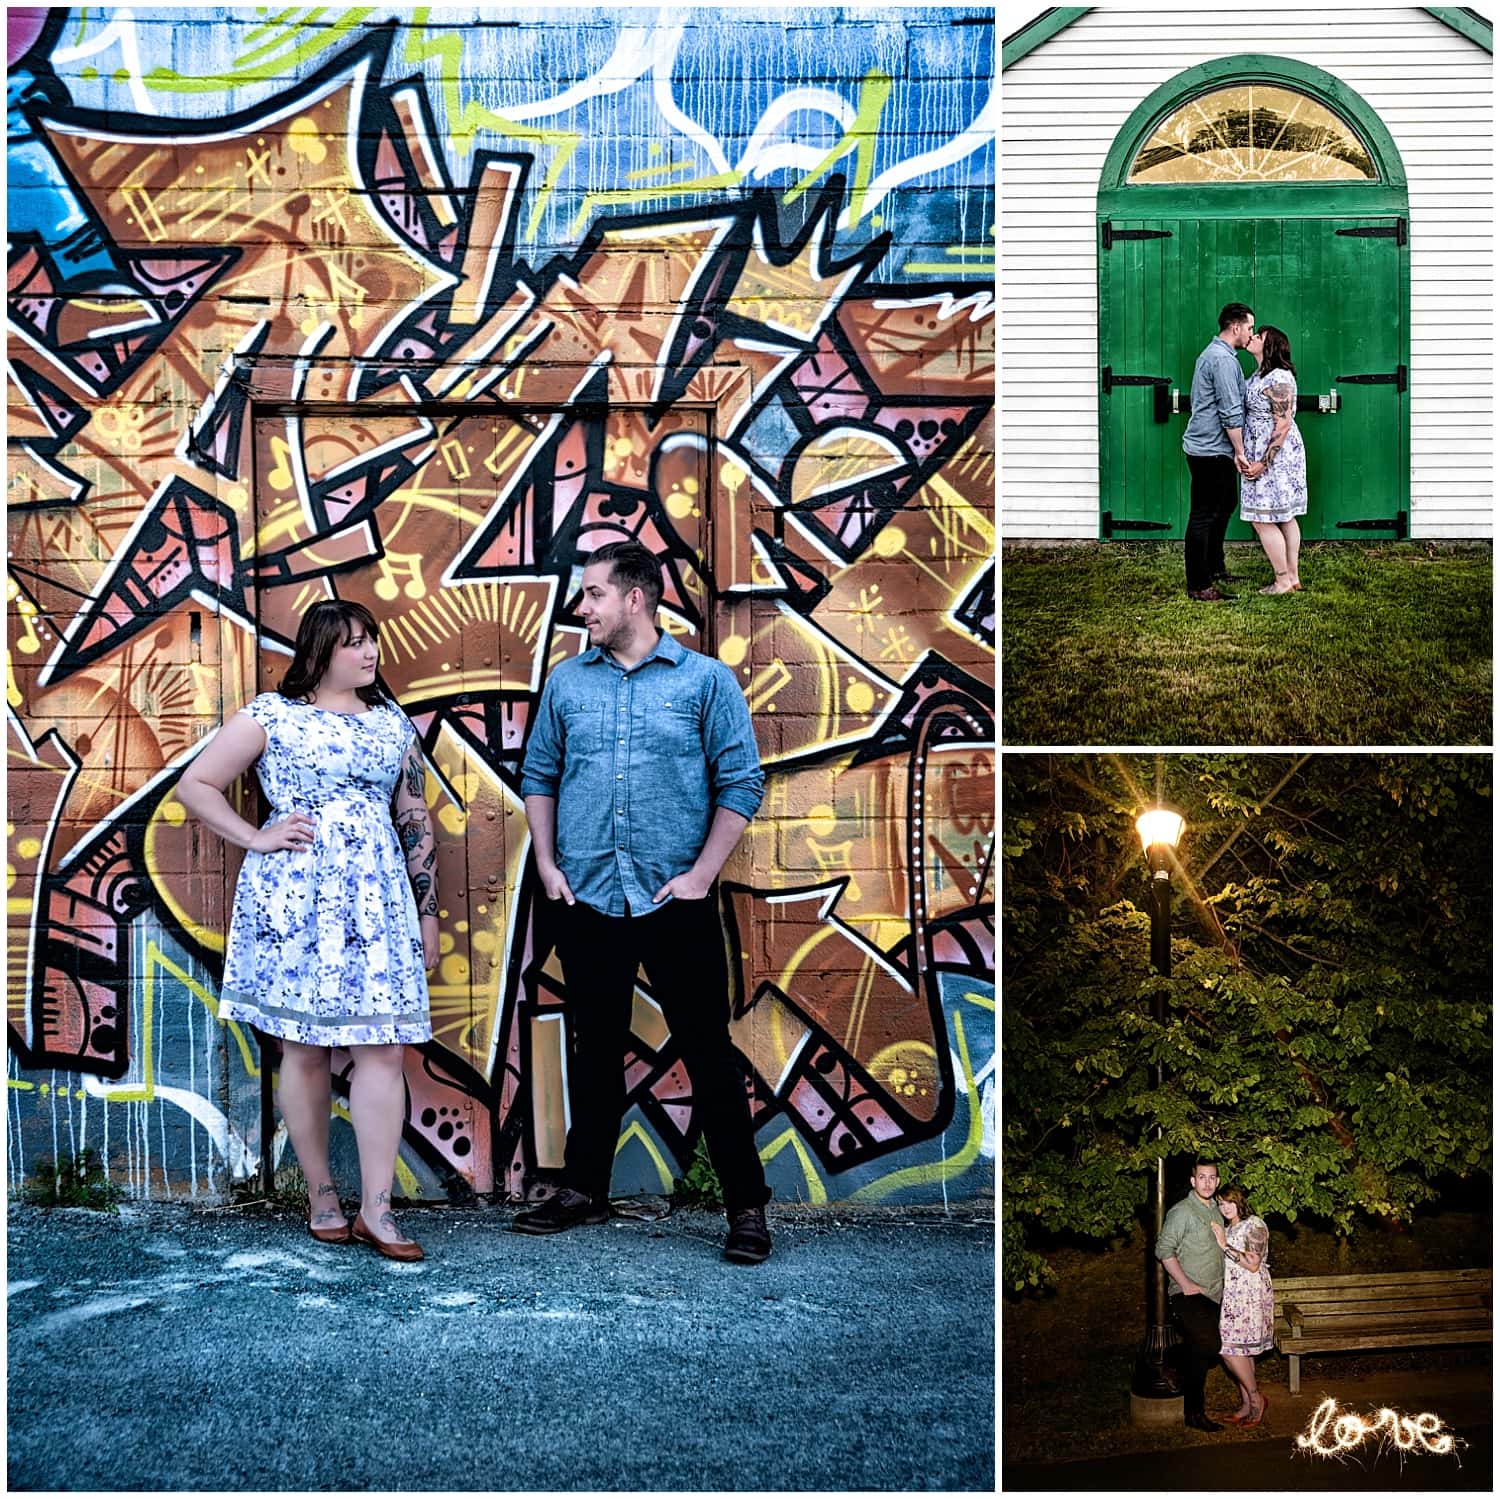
1265, 181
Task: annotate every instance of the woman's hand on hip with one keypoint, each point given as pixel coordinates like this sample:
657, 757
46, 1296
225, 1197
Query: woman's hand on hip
294, 832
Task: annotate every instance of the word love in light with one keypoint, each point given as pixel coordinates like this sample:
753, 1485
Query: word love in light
1330, 1434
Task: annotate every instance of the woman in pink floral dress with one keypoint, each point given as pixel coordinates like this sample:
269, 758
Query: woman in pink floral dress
1247, 1311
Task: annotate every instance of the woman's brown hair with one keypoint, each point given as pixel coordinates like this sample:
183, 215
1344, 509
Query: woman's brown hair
1236, 1194
328, 624
1275, 352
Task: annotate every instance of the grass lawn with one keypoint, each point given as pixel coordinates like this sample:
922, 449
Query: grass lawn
1386, 644
1067, 1356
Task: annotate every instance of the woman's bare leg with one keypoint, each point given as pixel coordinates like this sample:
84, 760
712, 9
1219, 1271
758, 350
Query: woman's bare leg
1291, 535
377, 1105
1243, 1370
1273, 544
304, 1094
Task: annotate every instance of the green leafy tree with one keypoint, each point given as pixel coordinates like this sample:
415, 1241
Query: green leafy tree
1327, 1018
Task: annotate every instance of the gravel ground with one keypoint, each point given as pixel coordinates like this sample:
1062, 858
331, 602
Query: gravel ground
174, 1348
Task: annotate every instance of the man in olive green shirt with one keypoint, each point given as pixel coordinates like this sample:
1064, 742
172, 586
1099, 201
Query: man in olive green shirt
1191, 1256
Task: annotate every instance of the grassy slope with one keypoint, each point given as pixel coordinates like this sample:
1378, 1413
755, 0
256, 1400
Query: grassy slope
1386, 645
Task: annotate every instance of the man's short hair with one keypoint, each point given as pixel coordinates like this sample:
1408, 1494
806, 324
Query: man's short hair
1199, 1162
631, 566
1233, 312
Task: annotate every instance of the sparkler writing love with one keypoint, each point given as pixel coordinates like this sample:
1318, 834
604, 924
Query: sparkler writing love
1331, 1434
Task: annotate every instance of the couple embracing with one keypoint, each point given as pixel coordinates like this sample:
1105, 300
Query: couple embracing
1242, 436
1215, 1252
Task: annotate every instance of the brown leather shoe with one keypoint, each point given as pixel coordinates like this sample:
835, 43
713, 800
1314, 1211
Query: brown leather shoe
397, 1249
339, 1235
1209, 595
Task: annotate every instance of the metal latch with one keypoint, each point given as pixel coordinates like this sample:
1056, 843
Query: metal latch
1328, 403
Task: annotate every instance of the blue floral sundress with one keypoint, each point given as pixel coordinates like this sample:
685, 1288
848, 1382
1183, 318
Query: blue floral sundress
324, 945
1280, 494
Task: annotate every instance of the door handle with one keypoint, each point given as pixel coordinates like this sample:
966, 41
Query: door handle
1324, 405
1179, 403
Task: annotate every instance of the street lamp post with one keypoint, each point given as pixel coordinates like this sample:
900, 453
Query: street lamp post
1154, 1397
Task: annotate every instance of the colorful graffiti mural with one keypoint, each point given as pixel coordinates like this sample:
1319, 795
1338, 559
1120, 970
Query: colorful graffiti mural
380, 333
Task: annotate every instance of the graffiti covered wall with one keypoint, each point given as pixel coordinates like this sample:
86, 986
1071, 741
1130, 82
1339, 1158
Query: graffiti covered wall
419, 310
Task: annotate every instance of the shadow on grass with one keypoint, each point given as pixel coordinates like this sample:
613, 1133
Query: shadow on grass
1385, 645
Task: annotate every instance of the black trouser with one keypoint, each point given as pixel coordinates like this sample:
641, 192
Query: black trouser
1212, 496
1197, 1319
681, 947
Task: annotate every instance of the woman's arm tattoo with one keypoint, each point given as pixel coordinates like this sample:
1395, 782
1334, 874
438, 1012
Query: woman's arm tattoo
414, 830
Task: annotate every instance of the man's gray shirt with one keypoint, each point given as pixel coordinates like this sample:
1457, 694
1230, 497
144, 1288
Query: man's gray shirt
637, 761
1188, 1237
1218, 397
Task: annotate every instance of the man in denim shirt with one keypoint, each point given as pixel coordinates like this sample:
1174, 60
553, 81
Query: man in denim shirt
641, 774
1215, 453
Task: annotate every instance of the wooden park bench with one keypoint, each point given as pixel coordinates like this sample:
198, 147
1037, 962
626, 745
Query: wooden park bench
1410, 1309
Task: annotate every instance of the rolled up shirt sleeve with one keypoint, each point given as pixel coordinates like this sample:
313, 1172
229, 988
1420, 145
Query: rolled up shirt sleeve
541, 773
1229, 392
1171, 1238
736, 780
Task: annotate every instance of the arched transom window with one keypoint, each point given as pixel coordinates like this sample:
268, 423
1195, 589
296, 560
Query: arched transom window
1253, 132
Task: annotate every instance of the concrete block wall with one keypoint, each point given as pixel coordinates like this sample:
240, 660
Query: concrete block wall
420, 310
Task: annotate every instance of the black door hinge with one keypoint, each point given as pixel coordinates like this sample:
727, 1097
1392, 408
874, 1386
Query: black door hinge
1396, 523
1396, 231
1396, 378
1109, 234
1108, 524
1161, 390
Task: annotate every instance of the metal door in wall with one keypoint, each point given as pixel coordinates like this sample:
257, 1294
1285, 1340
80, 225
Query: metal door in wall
464, 532
1334, 285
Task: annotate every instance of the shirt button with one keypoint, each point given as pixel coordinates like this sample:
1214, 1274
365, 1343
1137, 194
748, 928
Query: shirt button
620, 777
619, 814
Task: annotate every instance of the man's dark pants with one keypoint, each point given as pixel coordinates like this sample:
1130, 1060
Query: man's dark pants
1197, 1319
681, 947
1212, 495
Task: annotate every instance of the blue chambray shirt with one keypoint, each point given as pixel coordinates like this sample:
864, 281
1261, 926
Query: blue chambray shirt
1218, 397
637, 761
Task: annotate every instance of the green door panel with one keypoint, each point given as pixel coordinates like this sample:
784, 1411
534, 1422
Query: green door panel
1340, 298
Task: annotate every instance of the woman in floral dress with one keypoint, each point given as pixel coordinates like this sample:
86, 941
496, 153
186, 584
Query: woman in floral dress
1273, 492
1247, 1311
335, 914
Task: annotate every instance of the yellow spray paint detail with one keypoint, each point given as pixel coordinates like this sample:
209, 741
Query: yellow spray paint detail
817, 1194
634, 1132
955, 1165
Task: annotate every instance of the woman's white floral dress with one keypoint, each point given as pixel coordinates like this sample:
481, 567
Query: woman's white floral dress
1280, 494
1247, 1312
324, 944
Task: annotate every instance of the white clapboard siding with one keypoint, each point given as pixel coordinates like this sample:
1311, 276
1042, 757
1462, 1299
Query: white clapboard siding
1061, 108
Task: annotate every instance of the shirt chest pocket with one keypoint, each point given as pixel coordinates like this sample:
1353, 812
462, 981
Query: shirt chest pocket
583, 726
669, 722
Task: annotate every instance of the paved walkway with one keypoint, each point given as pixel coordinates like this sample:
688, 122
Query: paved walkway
1274, 1463
178, 1349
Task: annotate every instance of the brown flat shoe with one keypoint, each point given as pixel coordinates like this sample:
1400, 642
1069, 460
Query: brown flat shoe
339, 1235
400, 1249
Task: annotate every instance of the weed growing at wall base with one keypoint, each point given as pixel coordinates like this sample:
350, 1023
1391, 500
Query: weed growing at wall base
79, 1182
698, 1186
1385, 645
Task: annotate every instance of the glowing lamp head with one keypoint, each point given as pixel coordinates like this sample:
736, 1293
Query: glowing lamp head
1160, 828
